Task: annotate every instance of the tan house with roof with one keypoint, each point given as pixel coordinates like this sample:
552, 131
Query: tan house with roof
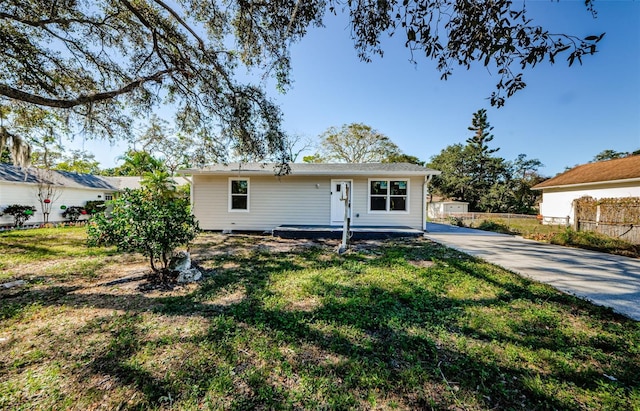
250, 197
604, 179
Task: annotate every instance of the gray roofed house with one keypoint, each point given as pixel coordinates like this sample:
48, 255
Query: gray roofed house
253, 197
20, 186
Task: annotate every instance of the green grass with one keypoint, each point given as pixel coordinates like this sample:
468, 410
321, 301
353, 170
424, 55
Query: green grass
526, 227
400, 325
65, 246
595, 241
560, 235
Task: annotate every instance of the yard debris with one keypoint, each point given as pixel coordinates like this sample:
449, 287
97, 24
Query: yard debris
181, 264
12, 284
189, 276
421, 263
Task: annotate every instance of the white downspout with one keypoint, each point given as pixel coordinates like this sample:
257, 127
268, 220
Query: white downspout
427, 178
424, 203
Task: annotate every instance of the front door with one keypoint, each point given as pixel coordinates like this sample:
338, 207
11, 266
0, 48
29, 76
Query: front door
337, 204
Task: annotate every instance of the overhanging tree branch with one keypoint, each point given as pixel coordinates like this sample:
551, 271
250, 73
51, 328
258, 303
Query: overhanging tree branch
16, 94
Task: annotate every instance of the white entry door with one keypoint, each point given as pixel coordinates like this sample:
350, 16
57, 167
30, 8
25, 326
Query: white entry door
337, 204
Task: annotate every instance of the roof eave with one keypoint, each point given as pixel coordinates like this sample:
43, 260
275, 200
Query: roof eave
309, 173
592, 183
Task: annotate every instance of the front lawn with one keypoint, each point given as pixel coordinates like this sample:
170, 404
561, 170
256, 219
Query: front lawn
282, 324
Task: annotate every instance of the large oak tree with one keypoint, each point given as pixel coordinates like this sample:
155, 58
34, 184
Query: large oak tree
355, 143
96, 64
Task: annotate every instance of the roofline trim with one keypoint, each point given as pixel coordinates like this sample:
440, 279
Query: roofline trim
626, 180
308, 173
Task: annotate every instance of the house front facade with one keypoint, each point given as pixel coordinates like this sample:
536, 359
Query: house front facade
251, 197
617, 178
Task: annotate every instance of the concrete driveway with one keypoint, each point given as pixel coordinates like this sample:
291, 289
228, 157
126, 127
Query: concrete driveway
604, 279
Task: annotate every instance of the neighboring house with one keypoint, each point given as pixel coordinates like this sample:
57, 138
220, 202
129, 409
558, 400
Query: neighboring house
21, 186
604, 179
251, 197
442, 209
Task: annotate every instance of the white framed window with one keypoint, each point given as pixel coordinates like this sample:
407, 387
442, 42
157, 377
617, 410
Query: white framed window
238, 194
388, 195
108, 197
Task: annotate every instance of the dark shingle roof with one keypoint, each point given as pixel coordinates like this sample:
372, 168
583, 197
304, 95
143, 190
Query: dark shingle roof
316, 169
627, 168
14, 174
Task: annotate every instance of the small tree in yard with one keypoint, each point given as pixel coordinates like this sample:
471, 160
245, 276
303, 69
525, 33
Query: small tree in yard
145, 221
47, 192
20, 213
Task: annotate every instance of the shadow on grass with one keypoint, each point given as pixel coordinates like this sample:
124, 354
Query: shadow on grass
409, 346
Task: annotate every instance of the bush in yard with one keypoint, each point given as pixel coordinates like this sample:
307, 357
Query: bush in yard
94, 206
488, 225
20, 213
72, 213
595, 241
457, 221
145, 221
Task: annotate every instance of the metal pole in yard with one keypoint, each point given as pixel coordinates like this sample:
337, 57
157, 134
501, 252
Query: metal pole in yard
345, 226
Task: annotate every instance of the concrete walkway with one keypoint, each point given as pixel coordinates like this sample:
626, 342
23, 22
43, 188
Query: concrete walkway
604, 279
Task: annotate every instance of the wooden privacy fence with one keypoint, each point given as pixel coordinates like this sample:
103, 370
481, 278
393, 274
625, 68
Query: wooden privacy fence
614, 217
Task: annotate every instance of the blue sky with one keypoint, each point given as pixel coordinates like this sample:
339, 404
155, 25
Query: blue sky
564, 117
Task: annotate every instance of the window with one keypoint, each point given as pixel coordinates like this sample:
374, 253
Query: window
388, 195
108, 197
238, 195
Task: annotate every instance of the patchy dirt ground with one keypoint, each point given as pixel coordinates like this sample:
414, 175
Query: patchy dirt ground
129, 274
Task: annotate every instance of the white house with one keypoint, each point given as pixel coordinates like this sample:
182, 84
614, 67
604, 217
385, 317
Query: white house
604, 179
21, 186
250, 197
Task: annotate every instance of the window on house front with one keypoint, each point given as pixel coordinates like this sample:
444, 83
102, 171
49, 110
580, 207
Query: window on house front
108, 197
239, 195
388, 195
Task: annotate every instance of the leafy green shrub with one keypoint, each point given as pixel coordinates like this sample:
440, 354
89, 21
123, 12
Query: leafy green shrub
149, 222
457, 221
595, 241
20, 213
72, 213
488, 225
94, 206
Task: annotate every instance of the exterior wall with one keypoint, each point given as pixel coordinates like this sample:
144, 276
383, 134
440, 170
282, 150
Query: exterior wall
26, 194
361, 216
558, 202
301, 200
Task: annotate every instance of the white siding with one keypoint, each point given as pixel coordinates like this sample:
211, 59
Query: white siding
360, 205
558, 202
26, 194
301, 200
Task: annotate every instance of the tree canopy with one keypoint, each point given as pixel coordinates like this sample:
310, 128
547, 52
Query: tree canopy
79, 161
473, 173
612, 155
355, 143
94, 65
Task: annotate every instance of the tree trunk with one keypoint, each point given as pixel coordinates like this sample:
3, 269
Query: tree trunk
153, 265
